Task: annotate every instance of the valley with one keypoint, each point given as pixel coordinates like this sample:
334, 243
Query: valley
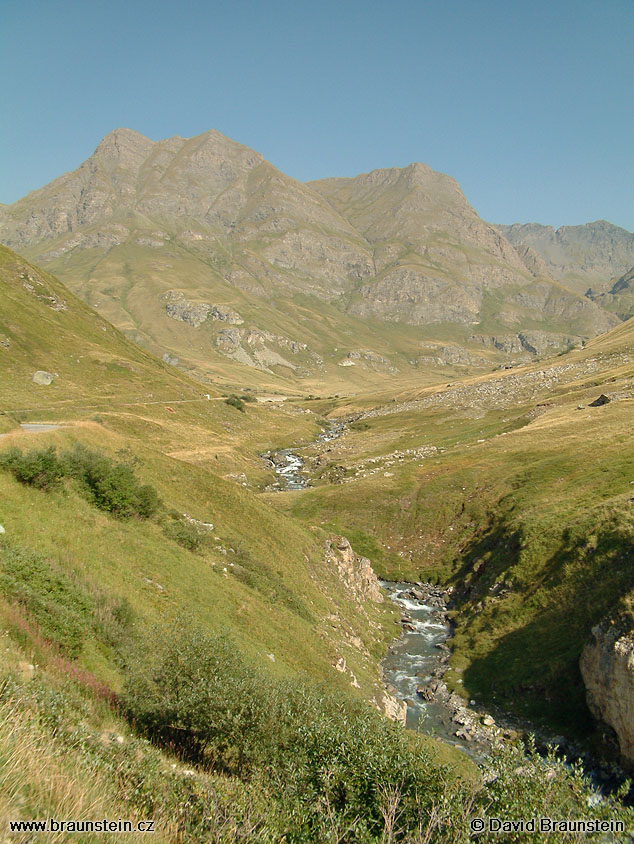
238, 414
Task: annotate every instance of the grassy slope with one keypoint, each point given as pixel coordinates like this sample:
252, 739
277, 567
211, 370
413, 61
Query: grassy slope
45, 327
185, 444
527, 512
261, 579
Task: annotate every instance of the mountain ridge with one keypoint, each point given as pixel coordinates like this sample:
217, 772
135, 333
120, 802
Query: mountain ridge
580, 256
210, 220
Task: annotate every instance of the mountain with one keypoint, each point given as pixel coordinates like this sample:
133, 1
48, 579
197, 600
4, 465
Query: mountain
619, 298
202, 251
578, 256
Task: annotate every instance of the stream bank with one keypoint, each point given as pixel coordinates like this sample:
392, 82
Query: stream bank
288, 465
415, 663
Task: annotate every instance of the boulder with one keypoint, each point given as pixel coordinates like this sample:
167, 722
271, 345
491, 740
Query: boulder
43, 378
393, 708
603, 399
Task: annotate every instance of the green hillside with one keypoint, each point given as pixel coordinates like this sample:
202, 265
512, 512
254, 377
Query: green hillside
516, 491
178, 647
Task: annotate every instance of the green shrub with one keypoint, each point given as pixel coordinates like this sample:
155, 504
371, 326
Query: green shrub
197, 695
111, 486
61, 609
40, 468
235, 401
113, 619
187, 534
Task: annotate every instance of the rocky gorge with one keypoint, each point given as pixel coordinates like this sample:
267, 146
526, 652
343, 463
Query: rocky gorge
415, 692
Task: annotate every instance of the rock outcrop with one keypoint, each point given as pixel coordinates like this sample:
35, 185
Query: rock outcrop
392, 707
607, 668
180, 308
356, 572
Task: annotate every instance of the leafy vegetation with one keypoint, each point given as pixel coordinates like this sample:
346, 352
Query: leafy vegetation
110, 485
235, 401
330, 763
186, 532
40, 468
58, 606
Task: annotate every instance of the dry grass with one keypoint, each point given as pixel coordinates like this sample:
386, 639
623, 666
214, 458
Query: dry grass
41, 779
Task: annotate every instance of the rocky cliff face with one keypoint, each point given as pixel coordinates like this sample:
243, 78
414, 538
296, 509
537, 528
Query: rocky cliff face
580, 256
157, 235
356, 572
607, 667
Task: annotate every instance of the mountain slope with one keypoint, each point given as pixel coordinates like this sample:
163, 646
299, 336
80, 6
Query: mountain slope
619, 298
437, 261
201, 250
44, 327
579, 256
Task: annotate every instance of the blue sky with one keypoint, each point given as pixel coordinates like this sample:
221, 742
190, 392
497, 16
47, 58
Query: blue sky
528, 104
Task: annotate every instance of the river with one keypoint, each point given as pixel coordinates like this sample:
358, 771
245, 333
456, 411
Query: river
288, 464
418, 658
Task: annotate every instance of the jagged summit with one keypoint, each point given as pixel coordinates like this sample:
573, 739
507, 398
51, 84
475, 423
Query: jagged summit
122, 139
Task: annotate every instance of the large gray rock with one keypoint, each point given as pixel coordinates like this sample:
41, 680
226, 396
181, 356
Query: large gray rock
43, 378
607, 668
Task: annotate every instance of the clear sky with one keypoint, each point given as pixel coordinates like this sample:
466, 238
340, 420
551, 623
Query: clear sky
529, 104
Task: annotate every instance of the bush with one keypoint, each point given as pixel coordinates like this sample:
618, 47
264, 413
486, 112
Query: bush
198, 696
320, 754
111, 486
40, 468
235, 401
187, 534
61, 609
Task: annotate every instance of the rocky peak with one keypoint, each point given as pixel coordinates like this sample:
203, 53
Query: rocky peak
123, 145
587, 255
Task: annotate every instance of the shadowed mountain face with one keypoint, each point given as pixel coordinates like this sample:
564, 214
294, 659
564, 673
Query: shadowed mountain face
619, 298
579, 256
202, 250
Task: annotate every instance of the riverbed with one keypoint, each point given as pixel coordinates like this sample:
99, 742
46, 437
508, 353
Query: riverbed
288, 465
414, 665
